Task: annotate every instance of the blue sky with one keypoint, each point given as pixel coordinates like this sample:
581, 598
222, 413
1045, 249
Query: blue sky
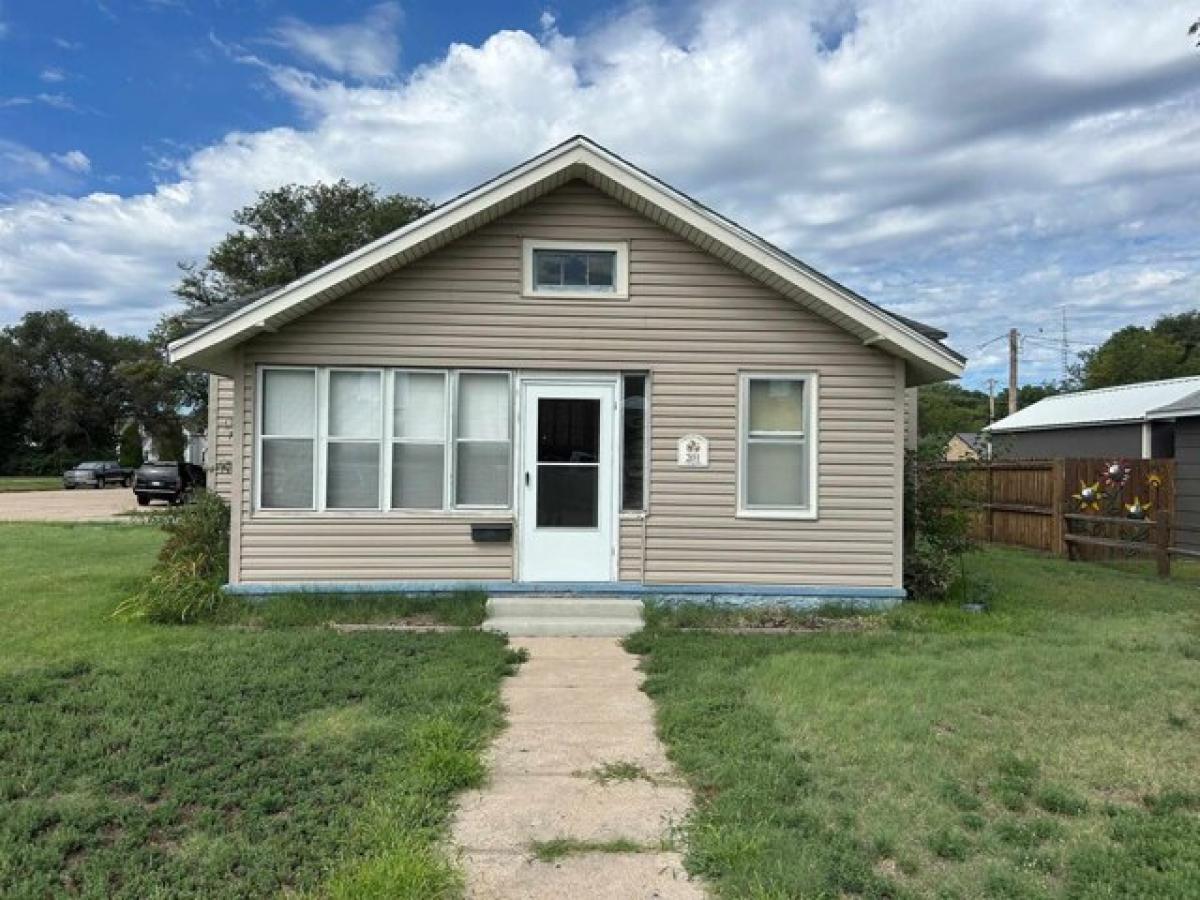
977, 166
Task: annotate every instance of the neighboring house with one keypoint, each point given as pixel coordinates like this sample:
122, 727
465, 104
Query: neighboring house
1183, 416
1114, 422
966, 445
195, 447
570, 378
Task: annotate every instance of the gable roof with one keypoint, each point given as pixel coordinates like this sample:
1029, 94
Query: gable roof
926, 357
1182, 408
1103, 406
972, 439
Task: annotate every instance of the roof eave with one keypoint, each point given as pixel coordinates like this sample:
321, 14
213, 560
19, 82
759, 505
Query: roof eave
927, 360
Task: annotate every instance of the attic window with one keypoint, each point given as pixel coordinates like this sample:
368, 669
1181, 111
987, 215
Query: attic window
576, 269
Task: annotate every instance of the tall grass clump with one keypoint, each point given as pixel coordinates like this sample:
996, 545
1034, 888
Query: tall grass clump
185, 583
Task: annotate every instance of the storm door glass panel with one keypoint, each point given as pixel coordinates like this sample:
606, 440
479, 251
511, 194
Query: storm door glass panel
633, 442
568, 463
355, 422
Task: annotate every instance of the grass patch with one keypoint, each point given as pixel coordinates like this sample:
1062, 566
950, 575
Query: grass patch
144, 760
1048, 747
291, 610
621, 770
717, 615
558, 848
10, 484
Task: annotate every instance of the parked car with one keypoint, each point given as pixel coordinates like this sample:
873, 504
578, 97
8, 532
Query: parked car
97, 475
174, 482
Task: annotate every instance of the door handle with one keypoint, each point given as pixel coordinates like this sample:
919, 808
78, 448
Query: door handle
526, 479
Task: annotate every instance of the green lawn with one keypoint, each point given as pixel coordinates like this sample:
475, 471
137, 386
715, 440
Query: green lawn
265, 758
12, 483
1047, 748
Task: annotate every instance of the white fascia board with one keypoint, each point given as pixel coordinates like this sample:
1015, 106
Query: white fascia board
258, 316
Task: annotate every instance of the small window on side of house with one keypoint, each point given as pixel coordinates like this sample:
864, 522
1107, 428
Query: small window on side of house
576, 269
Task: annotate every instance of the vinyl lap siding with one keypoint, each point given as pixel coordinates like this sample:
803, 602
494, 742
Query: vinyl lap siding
220, 434
691, 320
1187, 481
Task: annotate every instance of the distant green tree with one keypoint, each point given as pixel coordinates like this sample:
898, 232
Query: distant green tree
291, 231
948, 407
1029, 394
1167, 349
129, 447
74, 398
170, 445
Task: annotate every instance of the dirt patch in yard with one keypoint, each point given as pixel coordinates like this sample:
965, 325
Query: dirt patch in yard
80, 505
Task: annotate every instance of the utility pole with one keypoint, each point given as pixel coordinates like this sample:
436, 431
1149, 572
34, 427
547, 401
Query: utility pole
1013, 349
1066, 346
991, 383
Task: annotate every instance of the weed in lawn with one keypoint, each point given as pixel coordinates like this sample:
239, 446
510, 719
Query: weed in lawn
1055, 798
621, 770
950, 844
558, 848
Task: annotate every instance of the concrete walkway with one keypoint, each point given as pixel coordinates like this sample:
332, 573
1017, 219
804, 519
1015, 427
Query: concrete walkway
580, 762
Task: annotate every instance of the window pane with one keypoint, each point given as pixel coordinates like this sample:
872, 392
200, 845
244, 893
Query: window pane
574, 268
776, 405
548, 268
633, 442
417, 474
600, 269
353, 476
775, 474
567, 496
483, 407
288, 402
287, 473
568, 430
482, 475
419, 403
354, 404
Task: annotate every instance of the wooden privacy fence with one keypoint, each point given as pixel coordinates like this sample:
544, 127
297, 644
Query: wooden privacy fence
1040, 504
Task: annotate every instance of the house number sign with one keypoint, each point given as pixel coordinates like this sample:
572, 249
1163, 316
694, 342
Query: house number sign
693, 452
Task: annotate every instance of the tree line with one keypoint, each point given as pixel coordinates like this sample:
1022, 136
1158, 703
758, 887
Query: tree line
1169, 348
70, 392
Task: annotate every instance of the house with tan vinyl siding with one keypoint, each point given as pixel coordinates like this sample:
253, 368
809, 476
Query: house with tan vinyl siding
572, 378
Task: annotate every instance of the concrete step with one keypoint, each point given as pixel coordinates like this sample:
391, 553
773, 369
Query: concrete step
555, 626
533, 606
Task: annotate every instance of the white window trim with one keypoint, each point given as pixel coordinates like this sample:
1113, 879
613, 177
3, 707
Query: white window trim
810, 435
321, 442
259, 436
620, 289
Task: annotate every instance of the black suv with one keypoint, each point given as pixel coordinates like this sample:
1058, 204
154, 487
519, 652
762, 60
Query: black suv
96, 475
175, 482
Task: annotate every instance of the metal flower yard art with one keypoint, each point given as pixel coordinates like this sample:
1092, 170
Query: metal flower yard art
1116, 473
1137, 509
1089, 496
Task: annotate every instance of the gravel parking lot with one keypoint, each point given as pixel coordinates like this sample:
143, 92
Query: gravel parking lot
80, 505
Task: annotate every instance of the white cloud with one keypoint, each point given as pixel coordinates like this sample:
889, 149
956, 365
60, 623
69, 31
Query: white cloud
973, 166
74, 160
52, 75
367, 50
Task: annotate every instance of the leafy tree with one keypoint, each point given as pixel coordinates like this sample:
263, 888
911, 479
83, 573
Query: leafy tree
948, 407
16, 403
75, 398
291, 231
129, 447
1167, 349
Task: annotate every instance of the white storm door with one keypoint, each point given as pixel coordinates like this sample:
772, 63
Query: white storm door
567, 480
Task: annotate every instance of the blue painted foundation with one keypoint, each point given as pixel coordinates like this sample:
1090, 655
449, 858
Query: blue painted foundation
795, 596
